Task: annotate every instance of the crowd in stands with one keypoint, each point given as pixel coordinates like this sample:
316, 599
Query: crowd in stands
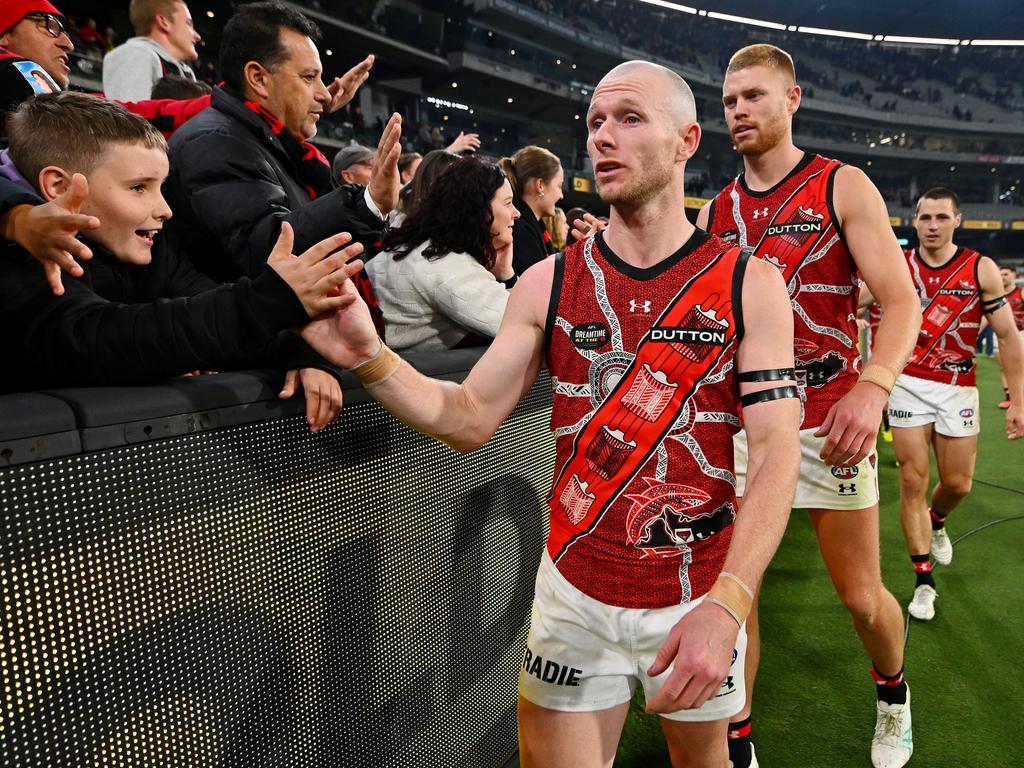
867, 69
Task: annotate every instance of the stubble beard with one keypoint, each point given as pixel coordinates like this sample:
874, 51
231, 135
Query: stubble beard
653, 179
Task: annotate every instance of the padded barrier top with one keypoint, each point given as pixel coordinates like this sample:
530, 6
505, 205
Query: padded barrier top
43, 425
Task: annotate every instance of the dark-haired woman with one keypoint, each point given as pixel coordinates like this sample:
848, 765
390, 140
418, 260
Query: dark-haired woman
428, 169
536, 176
444, 276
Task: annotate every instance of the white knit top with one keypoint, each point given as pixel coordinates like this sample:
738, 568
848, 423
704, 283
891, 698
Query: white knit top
432, 305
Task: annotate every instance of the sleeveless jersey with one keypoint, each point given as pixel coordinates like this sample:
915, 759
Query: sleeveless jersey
793, 226
951, 314
1015, 298
644, 409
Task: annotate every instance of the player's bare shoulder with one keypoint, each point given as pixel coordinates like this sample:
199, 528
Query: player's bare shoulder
531, 294
852, 190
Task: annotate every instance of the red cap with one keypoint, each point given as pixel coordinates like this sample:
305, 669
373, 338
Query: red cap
13, 11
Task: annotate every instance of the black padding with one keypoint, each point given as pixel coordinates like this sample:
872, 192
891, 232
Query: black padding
33, 427
767, 374
767, 395
993, 304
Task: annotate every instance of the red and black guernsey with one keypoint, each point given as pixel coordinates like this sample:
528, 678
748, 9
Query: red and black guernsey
794, 227
1015, 298
951, 315
645, 407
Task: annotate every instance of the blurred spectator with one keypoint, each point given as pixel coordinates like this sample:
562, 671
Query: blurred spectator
408, 162
93, 41
354, 164
35, 30
443, 278
180, 88
427, 171
536, 176
164, 44
557, 227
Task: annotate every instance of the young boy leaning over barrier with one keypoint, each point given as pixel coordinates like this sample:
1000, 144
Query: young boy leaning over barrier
139, 312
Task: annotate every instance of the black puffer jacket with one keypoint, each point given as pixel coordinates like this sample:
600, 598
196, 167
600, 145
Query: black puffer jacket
118, 324
232, 184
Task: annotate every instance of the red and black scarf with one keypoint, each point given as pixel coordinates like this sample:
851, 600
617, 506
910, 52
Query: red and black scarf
314, 171
316, 177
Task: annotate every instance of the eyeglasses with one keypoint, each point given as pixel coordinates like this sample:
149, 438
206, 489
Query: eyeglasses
52, 23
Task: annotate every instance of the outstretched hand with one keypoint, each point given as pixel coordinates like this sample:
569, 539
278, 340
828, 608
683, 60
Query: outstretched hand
385, 181
344, 88
48, 232
699, 649
319, 275
465, 142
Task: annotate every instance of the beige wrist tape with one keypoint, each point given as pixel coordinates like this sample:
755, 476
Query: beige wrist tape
733, 595
378, 368
879, 375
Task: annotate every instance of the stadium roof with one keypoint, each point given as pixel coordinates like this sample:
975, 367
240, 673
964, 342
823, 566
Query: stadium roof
962, 19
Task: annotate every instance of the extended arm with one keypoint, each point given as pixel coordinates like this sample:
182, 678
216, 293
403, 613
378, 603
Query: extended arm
851, 427
1011, 347
463, 416
701, 644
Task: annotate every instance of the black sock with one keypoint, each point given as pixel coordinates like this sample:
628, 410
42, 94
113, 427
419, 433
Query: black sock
892, 689
938, 521
923, 567
740, 753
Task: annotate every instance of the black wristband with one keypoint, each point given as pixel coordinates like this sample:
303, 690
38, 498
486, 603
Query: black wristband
510, 282
768, 374
767, 395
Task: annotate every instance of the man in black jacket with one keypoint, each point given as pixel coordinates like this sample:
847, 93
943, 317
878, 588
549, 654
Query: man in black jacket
141, 312
242, 167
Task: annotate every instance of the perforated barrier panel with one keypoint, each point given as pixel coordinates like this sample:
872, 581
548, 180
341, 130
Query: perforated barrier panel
260, 596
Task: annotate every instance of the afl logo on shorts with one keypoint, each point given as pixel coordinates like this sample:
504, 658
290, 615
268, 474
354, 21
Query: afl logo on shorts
966, 413
844, 472
589, 335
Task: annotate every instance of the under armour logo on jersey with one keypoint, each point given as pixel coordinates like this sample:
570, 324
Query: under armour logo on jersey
934, 279
637, 306
760, 213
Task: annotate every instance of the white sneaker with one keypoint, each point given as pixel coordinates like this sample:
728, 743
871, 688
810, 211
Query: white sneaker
893, 743
923, 605
942, 547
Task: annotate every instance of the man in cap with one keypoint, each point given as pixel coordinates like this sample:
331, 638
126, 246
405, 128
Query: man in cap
354, 164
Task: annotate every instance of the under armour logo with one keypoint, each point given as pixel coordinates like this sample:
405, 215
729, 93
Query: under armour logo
933, 279
635, 306
760, 213
847, 489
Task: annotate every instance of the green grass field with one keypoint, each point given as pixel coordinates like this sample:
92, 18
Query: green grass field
814, 704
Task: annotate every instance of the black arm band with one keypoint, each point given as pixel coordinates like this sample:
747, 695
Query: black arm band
766, 395
510, 282
768, 374
993, 304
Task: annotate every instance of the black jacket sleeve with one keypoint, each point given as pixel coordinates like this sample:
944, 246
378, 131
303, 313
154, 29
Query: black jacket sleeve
171, 275
234, 191
11, 195
80, 339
